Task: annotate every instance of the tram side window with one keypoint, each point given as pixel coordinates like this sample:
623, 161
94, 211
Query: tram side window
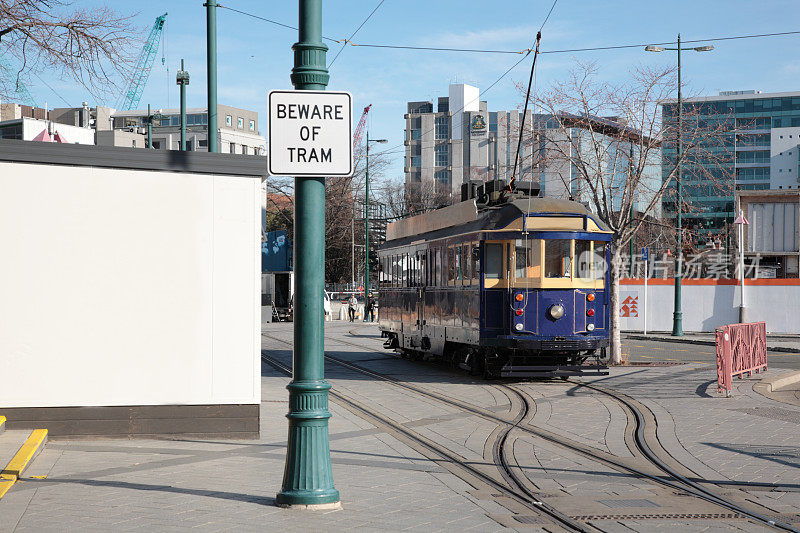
423, 263
476, 262
451, 265
557, 260
494, 261
437, 275
459, 266
599, 260
583, 259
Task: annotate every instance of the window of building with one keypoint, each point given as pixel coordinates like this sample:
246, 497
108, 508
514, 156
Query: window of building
240, 123
203, 143
11, 132
442, 155
228, 120
442, 177
442, 127
416, 161
133, 143
232, 148
244, 149
416, 135
252, 125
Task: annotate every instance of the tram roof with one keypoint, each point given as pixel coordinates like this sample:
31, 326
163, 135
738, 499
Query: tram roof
467, 218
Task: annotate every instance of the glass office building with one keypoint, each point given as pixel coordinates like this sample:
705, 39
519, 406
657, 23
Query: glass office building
743, 140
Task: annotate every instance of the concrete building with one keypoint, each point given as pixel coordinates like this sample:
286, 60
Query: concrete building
32, 129
773, 232
462, 140
238, 129
757, 147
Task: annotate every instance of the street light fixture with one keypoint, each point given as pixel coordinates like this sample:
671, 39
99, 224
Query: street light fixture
366, 226
677, 315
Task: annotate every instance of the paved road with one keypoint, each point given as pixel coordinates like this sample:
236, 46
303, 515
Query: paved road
639, 350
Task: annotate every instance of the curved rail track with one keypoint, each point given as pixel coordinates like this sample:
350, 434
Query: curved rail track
662, 474
513, 487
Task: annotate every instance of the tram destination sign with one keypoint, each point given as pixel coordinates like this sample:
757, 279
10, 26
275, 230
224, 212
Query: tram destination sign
310, 133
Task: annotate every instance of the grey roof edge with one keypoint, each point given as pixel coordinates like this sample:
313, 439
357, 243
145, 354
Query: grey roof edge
82, 155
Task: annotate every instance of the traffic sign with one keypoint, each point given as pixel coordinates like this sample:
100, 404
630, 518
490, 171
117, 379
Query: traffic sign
645, 253
310, 133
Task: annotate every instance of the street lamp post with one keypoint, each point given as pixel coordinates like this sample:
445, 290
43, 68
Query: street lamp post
182, 79
308, 477
677, 315
366, 226
150, 118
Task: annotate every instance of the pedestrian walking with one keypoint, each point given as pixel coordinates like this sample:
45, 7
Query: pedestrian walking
371, 304
352, 306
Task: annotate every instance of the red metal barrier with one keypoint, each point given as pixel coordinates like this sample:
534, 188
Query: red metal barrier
741, 348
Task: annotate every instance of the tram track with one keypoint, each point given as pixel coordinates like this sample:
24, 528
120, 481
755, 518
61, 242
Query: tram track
513, 487
661, 473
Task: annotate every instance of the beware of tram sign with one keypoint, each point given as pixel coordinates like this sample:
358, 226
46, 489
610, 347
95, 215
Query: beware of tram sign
310, 133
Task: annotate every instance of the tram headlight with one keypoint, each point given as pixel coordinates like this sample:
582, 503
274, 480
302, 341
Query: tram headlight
589, 327
556, 311
518, 327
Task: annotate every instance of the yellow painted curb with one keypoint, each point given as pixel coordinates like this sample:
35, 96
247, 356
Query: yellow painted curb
2, 424
10, 474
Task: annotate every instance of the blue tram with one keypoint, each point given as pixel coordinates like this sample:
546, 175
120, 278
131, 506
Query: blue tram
504, 283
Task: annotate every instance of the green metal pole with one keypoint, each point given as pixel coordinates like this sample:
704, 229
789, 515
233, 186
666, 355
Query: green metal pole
211, 61
677, 316
366, 234
149, 128
183, 81
308, 478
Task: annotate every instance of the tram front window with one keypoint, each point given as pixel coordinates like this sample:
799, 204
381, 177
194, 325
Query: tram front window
599, 260
557, 258
583, 259
528, 259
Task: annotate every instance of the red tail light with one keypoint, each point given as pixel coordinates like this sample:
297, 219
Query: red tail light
590, 312
518, 312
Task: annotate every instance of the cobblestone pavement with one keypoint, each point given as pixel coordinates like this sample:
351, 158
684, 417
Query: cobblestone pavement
386, 484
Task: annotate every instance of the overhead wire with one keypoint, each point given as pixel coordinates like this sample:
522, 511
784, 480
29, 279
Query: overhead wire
54, 91
349, 39
523, 51
281, 24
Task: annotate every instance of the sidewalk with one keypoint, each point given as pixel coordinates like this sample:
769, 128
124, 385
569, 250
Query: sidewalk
387, 485
775, 343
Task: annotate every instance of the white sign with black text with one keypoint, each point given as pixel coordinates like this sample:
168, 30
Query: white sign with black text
310, 133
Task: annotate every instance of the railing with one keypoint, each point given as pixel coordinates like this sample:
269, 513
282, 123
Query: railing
741, 348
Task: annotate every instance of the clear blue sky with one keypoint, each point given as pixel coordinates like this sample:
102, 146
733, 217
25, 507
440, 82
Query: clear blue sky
255, 56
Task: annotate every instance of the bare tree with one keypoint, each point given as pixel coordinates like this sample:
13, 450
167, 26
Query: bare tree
344, 213
92, 46
403, 199
604, 143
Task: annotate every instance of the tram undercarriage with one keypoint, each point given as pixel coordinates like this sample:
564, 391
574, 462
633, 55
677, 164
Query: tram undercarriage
513, 362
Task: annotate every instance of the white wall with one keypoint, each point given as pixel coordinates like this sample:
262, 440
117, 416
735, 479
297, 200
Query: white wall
72, 134
462, 98
125, 287
706, 307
